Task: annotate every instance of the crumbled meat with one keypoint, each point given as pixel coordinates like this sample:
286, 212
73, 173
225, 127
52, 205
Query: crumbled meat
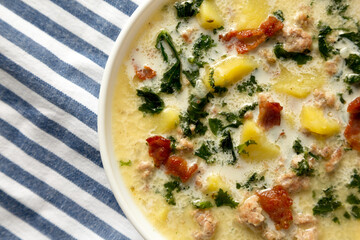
268, 55
301, 219
184, 145
187, 35
251, 212
334, 160
296, 39
306, 234
332, 66
324, 152
293, 183
302, 17
207, 224
272, 234
146, 168
324, 99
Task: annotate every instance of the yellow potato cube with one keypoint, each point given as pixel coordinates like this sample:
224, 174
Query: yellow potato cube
214, 182
313, 119
209, 15
230, 70
298, 85
162, 214
251, 14
167, 119
263, 149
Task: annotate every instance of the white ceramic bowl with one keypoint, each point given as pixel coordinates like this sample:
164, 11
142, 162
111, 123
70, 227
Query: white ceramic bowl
121, 48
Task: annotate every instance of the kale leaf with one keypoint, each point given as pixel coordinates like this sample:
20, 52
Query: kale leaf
299, 58
298, 148
206, 150
192, 76
279, 15
216, 125
337, 7
194, 114
250, 86
170, 187
226, 145
171, 80
352, 199
326, 204
241, 147
202, 45
353, 62
224, 199
352, 79
153, 104
352, 36
324, 47
304, 169
355, 181
251, 182
247, 108
187, 9
202, 204
217, 89
355, 211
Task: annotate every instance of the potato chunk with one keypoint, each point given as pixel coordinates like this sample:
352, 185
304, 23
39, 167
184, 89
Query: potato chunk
214, 182
298, 85
251, 14
209, 15
167, 119
313, 119
231, 70
263, 149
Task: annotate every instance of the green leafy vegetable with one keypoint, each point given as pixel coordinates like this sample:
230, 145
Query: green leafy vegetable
241, 147
202, 45
352, 199
341, 97
346, 215
326, 204
192, 76
226, 145
173, 143
336, 220
206, 150
337, 7
352, 79
224, 199
194, 114
352, 36
250, 86
217, 89
355, 181
251, 182
215, 125
152, 103
187, 9
298, 148
353, 62
171, 80
247, 108
170, 187
299, 58
324, 47
355, 211
279, 15
123, 163
303, 169
202, 204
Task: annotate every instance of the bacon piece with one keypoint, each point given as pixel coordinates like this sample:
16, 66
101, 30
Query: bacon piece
352, 131
159, 149
269, 114
249, 39
177, 167
145, 73
277, 203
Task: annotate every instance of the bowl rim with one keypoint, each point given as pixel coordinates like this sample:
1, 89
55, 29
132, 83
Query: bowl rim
118, 53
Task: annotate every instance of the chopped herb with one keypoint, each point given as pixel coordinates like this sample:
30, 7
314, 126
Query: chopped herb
194, 114
279, 15
355, 181
201, 46
304, 169
123, 163
241, 147
307, 154
353, 62
226, 145
206, 150
355, 211
352, 199
336, 220
347, 215
347, 149
250, 86
202, 204
326, 204
341, 98
192, 76
187, 9
153, 104
298, 148
352, 79
349, 90
217, 29
247, 108
215, 125
224, 199
217, 89
299, 58
170, 187
337, 7
173, 143
352, 36
324, 47
171, 79
251, 182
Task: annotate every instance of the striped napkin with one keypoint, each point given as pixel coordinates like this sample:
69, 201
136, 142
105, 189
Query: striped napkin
52, 57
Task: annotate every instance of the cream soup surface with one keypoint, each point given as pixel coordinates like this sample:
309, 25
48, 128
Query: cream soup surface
275, 114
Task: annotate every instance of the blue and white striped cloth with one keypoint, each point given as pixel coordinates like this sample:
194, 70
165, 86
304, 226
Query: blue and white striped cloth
52, 57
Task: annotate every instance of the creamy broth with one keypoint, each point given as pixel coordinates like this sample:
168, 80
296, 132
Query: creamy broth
131, 127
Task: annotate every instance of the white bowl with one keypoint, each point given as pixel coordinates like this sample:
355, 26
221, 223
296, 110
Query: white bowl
109, 80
